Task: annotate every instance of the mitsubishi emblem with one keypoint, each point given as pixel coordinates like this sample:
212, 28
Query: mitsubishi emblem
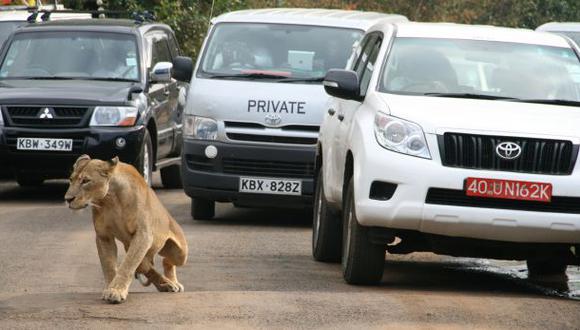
46, 113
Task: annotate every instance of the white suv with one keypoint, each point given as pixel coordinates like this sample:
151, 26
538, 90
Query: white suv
459, 140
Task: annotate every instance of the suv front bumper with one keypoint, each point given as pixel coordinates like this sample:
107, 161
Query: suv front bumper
97, 142
430, 198
218, 179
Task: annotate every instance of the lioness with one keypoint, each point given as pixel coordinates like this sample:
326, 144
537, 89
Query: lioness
125, 208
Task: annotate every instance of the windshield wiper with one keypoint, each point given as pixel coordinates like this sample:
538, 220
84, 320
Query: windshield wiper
253, 75
109, 79
291, 80
550, 101
44, 78
471, 96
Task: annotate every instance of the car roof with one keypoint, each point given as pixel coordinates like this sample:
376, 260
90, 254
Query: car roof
560, 27
95, 24
301, 16
475, 32
21, 13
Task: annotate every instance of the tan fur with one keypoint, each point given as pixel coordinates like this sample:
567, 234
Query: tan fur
126, 209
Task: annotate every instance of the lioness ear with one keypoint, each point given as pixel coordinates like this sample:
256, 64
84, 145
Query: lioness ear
82, 160
113, 162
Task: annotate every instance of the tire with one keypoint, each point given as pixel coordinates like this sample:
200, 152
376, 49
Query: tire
326, 227
538, 268
202, 209
363, 263
171, 177
145, 160
29, 181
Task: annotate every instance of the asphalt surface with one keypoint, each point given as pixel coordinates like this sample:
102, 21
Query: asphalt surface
252, 269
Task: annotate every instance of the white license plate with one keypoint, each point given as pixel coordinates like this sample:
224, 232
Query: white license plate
271, 186
44, 144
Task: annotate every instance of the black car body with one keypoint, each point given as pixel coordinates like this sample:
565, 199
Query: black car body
54, 110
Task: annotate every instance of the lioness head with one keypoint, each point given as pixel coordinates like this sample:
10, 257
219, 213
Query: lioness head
89, 181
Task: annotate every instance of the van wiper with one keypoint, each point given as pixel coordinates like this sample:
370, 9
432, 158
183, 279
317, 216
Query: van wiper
293, 80
110, 79
471, 96
253, 75
550, 101
45, 78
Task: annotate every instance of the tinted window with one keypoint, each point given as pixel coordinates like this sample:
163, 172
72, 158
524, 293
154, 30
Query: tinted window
278, 49
72, 55
514, 70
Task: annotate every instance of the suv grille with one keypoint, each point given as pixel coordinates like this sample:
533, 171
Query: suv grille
459, 198
556, 157
35, 116
268, 168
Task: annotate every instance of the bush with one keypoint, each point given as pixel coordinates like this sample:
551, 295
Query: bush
190, 18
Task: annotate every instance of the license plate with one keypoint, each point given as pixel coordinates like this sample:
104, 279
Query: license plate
509, 189
44, 144
271, 186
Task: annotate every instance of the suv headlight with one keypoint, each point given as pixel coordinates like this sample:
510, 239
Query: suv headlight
1, 118
401, 136
200, 128
114, 116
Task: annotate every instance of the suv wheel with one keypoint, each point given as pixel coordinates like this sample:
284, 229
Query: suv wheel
362, 261
326, 227
145, 160
171, 177
202, 209
543, 268
29, 181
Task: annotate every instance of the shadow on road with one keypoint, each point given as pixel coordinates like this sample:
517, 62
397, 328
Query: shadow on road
50, 191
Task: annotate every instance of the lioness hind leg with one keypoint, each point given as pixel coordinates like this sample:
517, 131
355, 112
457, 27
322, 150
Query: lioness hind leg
174, 256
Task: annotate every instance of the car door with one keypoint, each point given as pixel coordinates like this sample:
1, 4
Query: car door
347, 108
160, 93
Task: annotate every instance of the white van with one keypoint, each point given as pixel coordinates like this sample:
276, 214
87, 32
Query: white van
256, 102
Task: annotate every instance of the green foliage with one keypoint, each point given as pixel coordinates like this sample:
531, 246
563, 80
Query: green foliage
190, 18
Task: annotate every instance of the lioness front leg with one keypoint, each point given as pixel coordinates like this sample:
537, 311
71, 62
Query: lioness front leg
107, 249
119, 287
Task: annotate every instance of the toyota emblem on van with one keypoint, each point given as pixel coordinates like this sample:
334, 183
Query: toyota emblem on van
273, 119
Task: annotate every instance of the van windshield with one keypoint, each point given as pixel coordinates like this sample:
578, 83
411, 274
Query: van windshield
71, 55
477, 68
276, 51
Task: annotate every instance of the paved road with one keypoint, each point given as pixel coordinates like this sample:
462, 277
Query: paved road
249, 269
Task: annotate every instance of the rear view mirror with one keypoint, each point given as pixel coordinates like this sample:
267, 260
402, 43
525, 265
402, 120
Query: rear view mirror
182, 68
161, 72
343, 84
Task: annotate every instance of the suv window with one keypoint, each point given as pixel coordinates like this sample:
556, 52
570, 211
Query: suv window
369, 67
159, 49
363, 53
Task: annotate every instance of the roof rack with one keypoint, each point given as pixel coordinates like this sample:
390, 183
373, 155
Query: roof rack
138, 17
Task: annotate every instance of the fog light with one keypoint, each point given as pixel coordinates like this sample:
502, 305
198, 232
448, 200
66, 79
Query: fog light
211, 152
120, 142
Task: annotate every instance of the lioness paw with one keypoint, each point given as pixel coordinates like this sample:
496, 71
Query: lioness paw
114, 296
171, 287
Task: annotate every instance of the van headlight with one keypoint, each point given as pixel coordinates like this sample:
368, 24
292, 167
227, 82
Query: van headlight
114, 116
401, 136
200, 128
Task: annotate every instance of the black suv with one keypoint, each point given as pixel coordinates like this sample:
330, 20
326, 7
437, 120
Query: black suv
101, 87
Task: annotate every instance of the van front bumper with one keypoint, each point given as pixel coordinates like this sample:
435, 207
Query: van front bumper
218, 178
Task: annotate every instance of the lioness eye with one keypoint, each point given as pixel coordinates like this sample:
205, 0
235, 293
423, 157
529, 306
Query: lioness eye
85, 181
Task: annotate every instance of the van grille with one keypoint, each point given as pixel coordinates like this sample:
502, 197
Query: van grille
541, 156
268, 168
289, 134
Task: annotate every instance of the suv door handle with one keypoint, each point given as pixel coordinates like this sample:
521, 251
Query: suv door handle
331, 111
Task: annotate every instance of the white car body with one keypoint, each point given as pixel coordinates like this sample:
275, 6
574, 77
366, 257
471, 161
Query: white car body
348, 148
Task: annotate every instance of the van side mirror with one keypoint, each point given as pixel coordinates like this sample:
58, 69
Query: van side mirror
161, 72
182, 68
343, 84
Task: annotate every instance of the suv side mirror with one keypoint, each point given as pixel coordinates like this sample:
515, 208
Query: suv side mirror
343, 84
161, 72
182, 68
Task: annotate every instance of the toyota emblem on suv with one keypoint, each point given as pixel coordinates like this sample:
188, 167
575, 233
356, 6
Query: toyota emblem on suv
46, 113
508, 150
273, 119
